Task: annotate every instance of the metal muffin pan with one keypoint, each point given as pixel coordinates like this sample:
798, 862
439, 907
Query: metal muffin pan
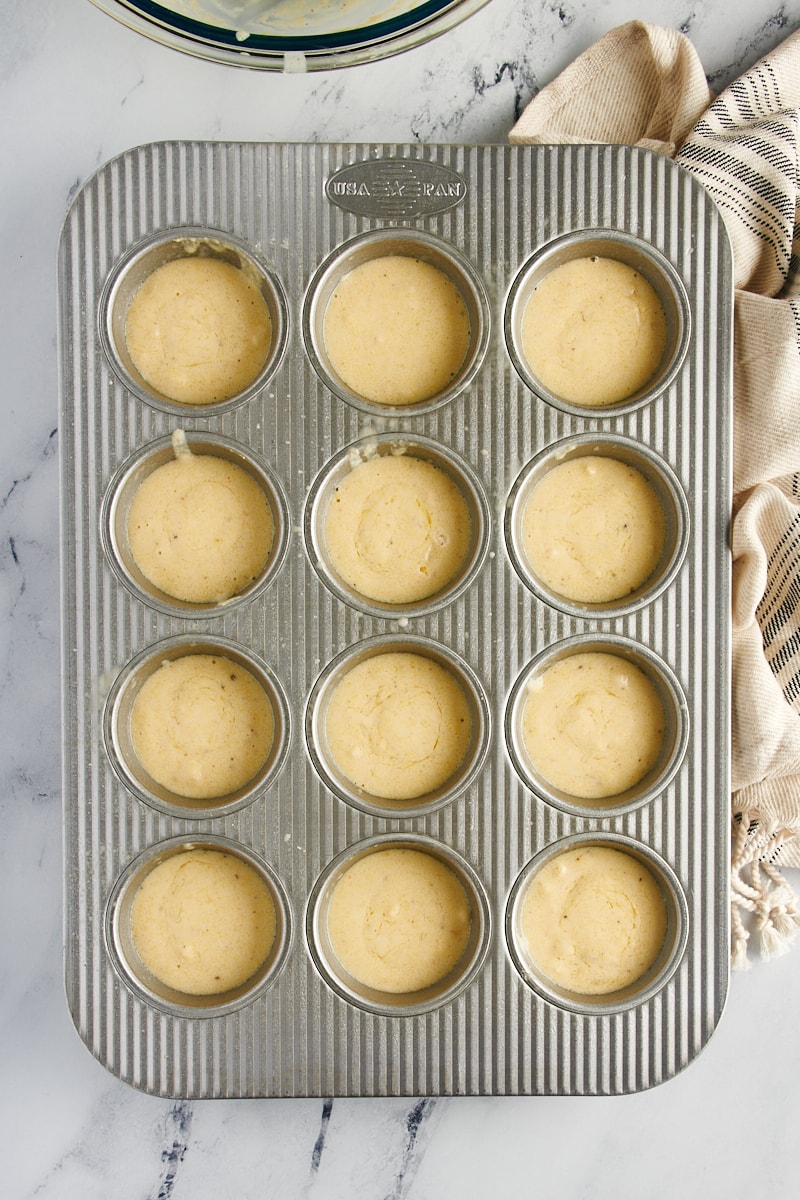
491, 218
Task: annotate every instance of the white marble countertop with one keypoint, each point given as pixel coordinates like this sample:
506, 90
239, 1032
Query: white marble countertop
76, 89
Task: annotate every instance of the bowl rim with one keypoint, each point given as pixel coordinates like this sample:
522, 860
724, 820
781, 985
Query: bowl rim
320, 52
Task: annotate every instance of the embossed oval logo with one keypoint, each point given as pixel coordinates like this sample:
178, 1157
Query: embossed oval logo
395, 188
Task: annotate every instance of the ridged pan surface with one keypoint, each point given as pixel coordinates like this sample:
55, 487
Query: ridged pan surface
486, 213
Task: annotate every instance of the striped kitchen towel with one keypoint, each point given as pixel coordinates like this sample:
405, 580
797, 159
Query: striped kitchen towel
644, 85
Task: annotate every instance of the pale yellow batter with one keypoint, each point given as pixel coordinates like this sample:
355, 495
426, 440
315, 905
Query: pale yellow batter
203, 922
397, 529
396, 330
398, 725
593, 529
199, 527
198, 330
593, 331
594, 920
593, 725
398, 920
202, 726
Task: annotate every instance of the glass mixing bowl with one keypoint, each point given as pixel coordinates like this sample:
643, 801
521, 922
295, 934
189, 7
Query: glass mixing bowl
291, 35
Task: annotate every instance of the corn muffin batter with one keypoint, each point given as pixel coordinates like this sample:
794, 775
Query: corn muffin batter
398, 725
198, 330
397, 529
396, 330
593, 331
593, 725
398, 920
203, 922
202, 726
593, 529
199, 527
593, 919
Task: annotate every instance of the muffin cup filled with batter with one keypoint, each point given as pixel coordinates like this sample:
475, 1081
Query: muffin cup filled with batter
397, 726
397, 525
597, 923
197, 726
398, 925
195, 522
597, 322
396, 320
597, 526
193, 319
597, 725
198, 927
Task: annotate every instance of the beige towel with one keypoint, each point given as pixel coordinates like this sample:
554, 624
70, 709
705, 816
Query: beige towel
644, 85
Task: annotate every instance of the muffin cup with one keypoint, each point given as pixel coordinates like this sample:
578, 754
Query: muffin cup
145, 257
332, 776
124, 486
128, 963
411, 244
676, 727
654, 978
119, 741
454, 467
119, 497
634, 253
398, 1003
661, 479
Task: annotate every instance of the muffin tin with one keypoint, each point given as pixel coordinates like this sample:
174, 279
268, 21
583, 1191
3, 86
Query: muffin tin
297, 217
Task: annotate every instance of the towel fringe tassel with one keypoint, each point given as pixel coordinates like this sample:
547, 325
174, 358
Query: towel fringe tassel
757, 887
